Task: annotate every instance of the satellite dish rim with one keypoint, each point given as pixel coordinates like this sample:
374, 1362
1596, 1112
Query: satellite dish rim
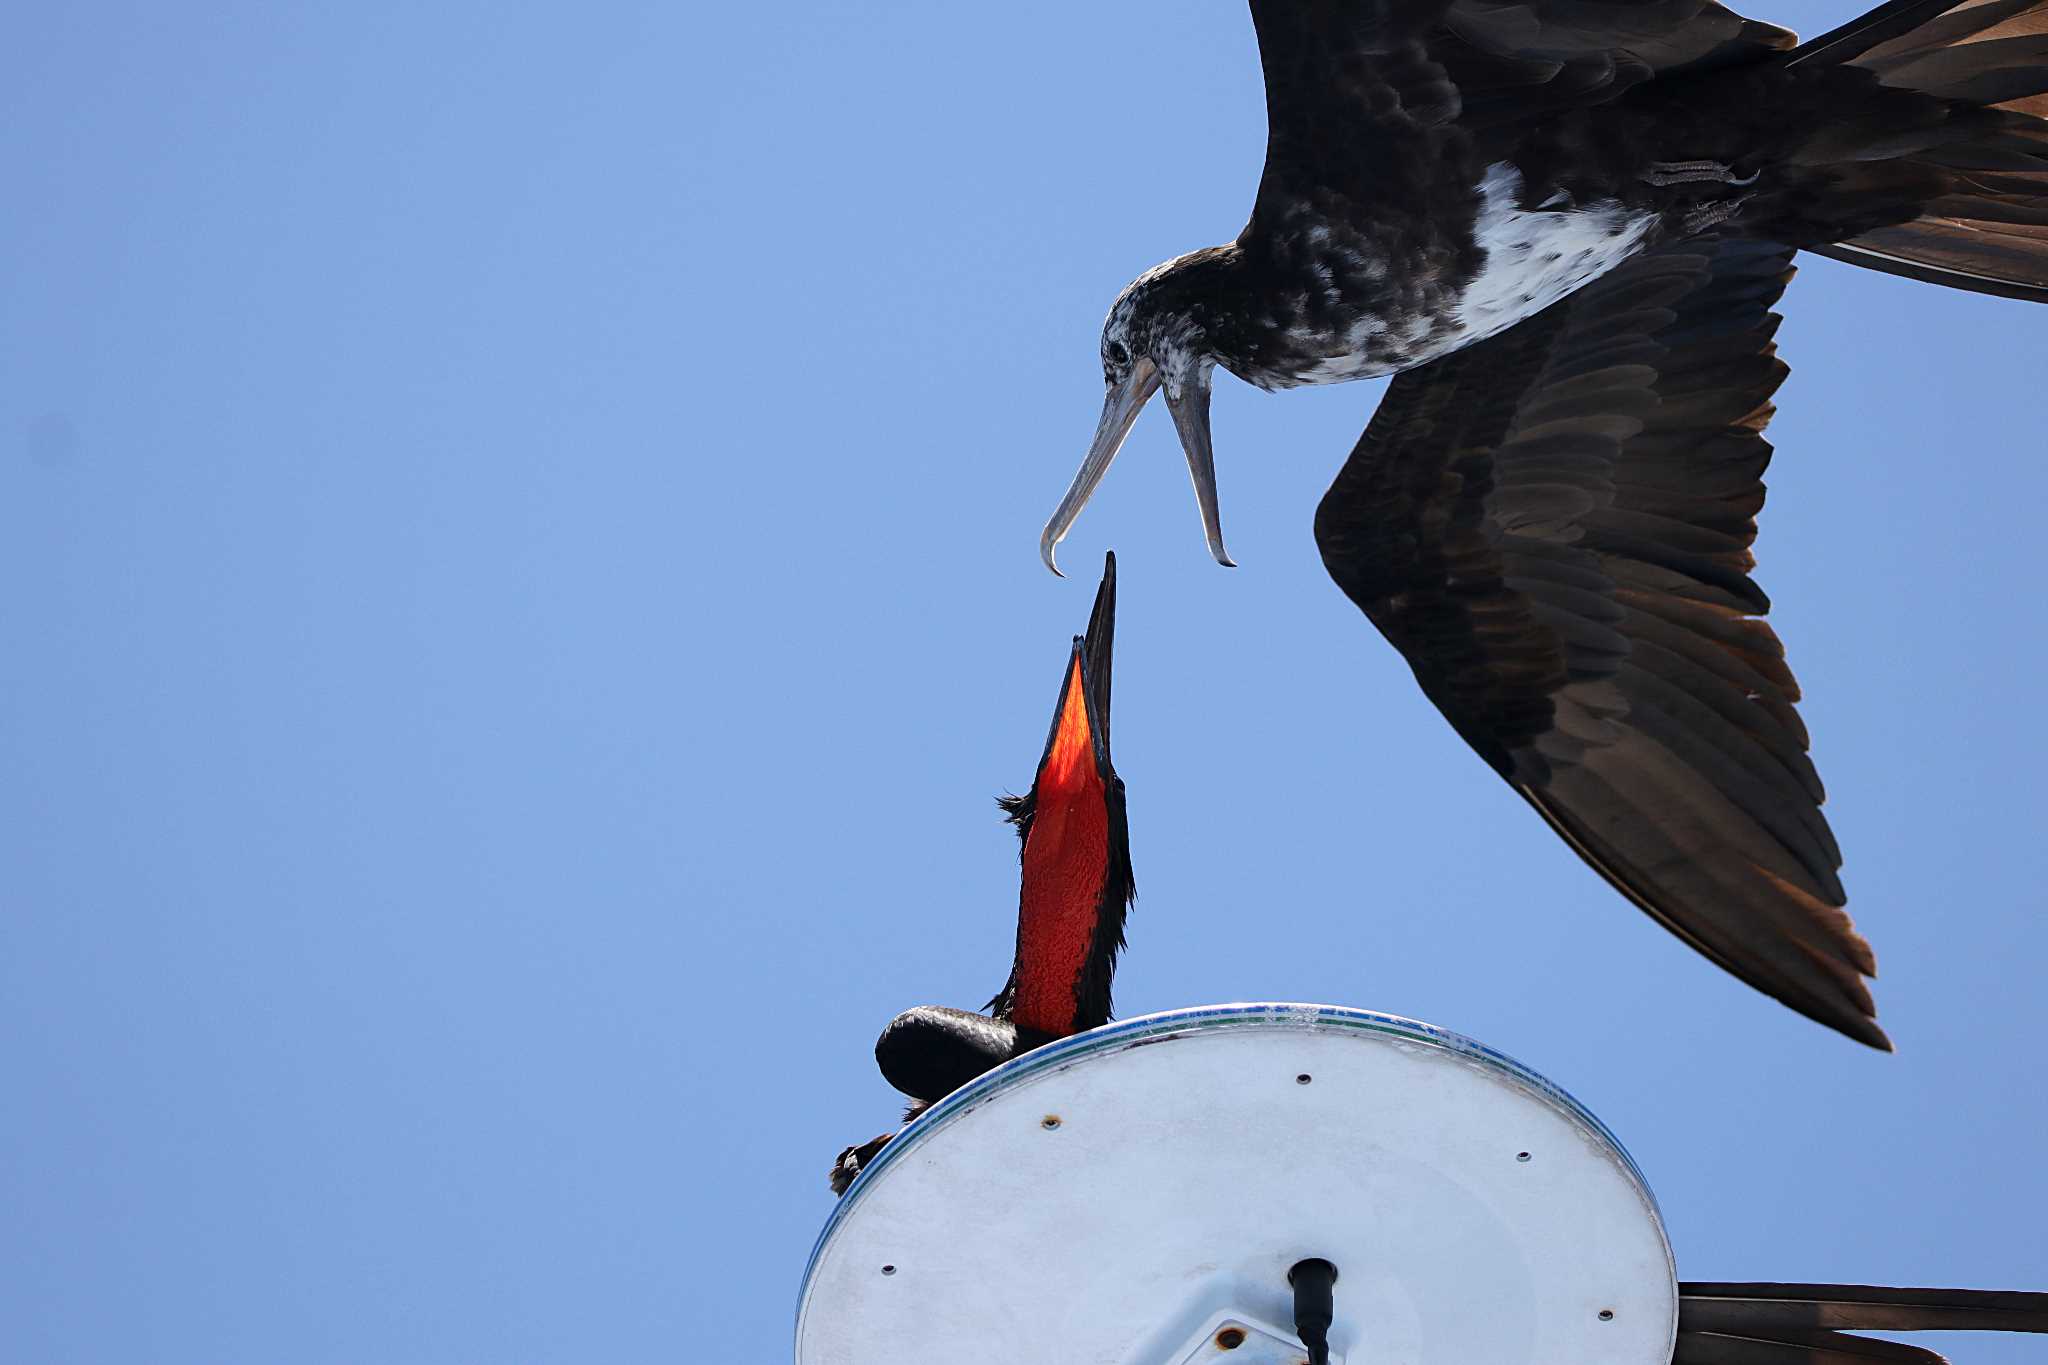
1239, 1015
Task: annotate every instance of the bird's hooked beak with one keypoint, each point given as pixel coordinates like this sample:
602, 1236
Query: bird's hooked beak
1188, 401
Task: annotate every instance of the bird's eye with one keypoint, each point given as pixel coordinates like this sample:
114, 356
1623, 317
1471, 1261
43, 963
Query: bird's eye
1118, 356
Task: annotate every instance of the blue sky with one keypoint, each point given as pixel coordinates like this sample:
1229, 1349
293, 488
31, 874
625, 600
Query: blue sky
517, 569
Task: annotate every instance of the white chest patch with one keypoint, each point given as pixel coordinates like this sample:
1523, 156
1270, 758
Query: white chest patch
1535, 258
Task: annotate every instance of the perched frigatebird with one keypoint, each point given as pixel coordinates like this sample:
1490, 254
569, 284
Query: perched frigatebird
1077, 887
1563, 225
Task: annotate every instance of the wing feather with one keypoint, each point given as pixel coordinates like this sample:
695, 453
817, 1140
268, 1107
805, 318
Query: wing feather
1363, 94
1809, 1324
1554, 527
1775, 1308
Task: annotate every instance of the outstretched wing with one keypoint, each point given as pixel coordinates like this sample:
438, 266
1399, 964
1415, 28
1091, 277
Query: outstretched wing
1553, 526
1808, 1324
1355, 86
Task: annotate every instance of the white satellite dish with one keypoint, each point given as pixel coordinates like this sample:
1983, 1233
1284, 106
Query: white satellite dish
1137, 1195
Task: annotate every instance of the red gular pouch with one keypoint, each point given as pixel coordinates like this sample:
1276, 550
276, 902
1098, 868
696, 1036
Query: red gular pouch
1077, 883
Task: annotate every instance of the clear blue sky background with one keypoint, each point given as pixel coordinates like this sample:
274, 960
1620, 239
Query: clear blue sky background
517, 584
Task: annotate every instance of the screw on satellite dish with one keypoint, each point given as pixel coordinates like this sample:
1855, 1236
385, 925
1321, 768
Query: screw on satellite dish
1228, 1184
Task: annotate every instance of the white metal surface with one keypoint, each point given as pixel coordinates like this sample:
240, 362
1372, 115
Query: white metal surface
1122, 1197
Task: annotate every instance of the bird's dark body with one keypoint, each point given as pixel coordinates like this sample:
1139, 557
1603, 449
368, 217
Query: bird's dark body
930, 1051
1363, 266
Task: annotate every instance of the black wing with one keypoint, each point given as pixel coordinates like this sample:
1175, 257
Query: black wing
1807, 1324
1354, 86
1553, 526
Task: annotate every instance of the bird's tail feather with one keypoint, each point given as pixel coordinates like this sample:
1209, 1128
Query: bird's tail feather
1810, 1324
1977, 154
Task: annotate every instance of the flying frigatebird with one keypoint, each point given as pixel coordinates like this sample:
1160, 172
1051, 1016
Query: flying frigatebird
1563, 226
1077, 888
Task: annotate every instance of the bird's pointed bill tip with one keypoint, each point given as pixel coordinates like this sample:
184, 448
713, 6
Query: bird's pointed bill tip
1106, 590
1048, 554
1096, 644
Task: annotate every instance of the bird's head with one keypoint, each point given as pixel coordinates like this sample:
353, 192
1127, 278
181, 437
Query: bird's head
1157, 337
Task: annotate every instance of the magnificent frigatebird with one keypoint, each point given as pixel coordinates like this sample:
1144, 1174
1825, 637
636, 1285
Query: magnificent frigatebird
1077, 887
1563, 225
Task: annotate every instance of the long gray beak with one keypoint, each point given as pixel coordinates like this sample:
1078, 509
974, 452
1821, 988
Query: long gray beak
1191, 419
1120, 409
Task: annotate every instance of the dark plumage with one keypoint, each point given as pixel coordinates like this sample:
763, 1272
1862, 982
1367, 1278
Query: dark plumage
1810, 1324
1074, 844
1564, 225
